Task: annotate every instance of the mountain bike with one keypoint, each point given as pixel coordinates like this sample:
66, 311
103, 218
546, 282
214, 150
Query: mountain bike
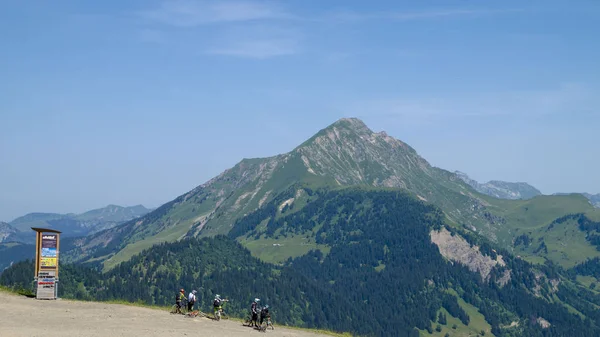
181, 309
267, 324
248, 320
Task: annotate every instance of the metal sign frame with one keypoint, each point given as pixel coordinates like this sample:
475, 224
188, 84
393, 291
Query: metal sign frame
47, 244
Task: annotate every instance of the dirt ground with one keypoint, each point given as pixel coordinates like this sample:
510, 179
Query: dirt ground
22, 316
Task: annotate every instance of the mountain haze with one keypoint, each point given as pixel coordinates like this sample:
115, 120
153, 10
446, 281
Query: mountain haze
78, 224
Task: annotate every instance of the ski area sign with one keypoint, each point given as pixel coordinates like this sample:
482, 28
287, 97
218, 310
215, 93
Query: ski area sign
46, 262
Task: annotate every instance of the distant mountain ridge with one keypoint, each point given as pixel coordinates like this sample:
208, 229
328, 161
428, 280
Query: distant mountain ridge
501, 189
70, 224
514, 191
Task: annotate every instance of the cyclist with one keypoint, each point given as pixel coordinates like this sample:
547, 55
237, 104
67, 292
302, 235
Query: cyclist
264, 313
179, 298
255, 308
191, 300
218, 304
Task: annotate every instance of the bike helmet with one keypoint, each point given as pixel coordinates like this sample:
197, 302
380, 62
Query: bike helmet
267, 306
218, 296
181, 290
257, 300
194, 292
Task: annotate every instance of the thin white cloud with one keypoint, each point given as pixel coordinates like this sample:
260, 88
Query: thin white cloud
189, 13
257, 49
255, 41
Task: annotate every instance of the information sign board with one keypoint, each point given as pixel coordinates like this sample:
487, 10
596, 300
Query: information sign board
46, 266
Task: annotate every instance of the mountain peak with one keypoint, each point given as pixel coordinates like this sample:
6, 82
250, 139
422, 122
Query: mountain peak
350, 122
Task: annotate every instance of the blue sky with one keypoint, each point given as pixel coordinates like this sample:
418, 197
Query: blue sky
130, 102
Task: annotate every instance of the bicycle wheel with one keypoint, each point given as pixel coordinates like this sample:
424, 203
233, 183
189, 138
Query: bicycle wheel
174, 309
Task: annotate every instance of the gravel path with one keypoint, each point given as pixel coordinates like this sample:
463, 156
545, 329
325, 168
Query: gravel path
22, 316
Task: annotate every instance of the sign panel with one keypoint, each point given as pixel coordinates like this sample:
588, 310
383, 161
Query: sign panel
46, 274
49, 253
48, 262
46, 288
49, 245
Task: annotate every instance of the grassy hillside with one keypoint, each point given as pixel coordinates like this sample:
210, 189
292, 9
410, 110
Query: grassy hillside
517, 216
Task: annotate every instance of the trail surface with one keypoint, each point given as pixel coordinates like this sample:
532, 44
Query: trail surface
22, 316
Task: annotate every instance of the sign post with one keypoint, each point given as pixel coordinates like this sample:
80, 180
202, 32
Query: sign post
47, 243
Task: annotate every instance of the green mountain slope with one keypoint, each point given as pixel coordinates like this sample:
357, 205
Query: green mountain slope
393, 268
346, 153
12, 252
568, 240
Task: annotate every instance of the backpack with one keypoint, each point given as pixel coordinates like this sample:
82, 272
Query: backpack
216, 303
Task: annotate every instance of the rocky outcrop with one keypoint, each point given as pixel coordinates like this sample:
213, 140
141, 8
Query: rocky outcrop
543, 323
456, 248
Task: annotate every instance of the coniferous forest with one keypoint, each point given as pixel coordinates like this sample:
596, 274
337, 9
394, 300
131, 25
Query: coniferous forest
382, 276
